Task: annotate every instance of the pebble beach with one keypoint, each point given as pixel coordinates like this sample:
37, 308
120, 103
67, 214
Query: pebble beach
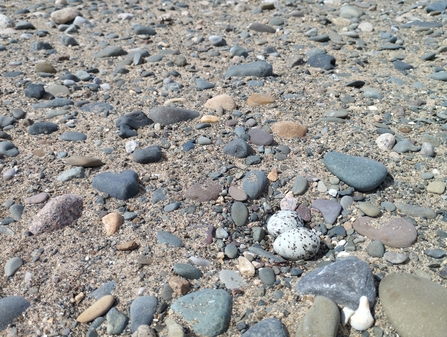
223, 168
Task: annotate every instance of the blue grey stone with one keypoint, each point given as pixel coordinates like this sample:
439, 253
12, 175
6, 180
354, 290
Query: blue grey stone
254, 183
405, 146
376, 248
343, 281
363, 174
34, 91
231, 279
439, 76
238, 148
73, 136
300, 185
262, 28
231, 251
111, 51
6, 120
12, 265
142, 311
40, 45
8, 149
75, 172
323, 61
151, 154
144, 30
159, 195
166, 115
256, 249
256, 69
239, 213
416, 211
267, 276
202, 84
54, 103
172, 206
438, 6
388, 205
170, 239
40, 128
187, 271
208, 310
267, 327
105, 289
67, 40
116, 321
369, 92
121, 186
402, 66
11, 307
238, 51
16, 211
23, 25
435, 253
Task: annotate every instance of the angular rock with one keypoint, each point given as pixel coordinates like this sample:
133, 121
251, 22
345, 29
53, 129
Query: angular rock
203, 192
328, 208
165, 115
208, 310
343, 281
363, 174
130, 122
57, 213
121, 186
323, 61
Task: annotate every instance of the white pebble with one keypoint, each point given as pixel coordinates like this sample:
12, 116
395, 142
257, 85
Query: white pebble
386, 141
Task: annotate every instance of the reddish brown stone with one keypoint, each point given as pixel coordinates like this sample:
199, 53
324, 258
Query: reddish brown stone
288, 130
129, 245
179, 285
305, 212
203, 192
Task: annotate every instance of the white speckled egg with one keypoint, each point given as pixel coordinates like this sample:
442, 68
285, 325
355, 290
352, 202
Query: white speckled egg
283, 221
298, 243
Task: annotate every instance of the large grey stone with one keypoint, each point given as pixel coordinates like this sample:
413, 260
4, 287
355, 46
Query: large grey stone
363, 174
343, 281
166, 115
142, 311
254, 183
267, 327
414, 305
256, 69
121, 186
10, 308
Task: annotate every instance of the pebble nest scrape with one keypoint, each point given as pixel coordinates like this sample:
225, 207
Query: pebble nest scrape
343, 75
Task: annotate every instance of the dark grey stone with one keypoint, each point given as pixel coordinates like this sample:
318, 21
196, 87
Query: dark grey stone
262, 28
34, 91
11, 307
344, 282
187, 271
267, 327
239, 213
323, 61
116, 321
16, 211
172, 206
435, 253
96, 107
159, 195
256, 249
267, 276
8, 149
300, 185
402, 66
121, 186
12, 265
256, 69
23, 25
208, 310
151, 154
231, 251
238, 148
144, 30
73, 136
68, 40
166, 115
105, 289
376, 248
142, 311
203, 85
42, 128
170, 239
40, 45
130, 122
254, 183
438, 6
6, 120
439, 76
363, 174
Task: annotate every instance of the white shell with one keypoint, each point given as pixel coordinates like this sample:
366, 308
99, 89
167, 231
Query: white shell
298, 243
283, 221
346, 314
362, 318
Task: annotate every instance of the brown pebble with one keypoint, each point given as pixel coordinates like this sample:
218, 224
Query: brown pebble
144, 260
237, 194
305, 212
97, 309
405, 129
84, 161
225, 101
39, 153
259, 99
206, 191
129, 245
36, 199
112, 222
179, 285
44, 67
210, 119
289, 130
273, 175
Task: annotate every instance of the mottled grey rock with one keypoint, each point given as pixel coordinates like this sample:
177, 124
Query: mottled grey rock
142, 311
322, 319
11, 307
111, 51
170, 239
415, 306
116, 321
68, 40
266, 275
105, 289
40, 128
73, 136
329, 209
187, 271
254, 183
267, 327
75, 172
363, 174
121, 186
231, 279
256, 69
150, 154
130, 122
343, 281
323, 61
375, 248
54, 103
208, 310
8, 149
300, 185
165, 115
416, 211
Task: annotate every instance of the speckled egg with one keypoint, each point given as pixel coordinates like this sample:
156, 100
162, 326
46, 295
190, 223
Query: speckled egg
298, 243
283, 221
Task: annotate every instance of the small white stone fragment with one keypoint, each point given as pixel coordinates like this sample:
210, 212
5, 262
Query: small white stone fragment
362, 318
132, 145
386, 141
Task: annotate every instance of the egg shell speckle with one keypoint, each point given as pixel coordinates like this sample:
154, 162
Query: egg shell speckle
283, 221
296, 244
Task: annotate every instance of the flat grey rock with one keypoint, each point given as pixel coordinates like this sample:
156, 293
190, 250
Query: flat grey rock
416, 211
73, 136
343, 281
363, 174
10, 308
231, 279
12, 265
415, 306
116, 321
142, 311
187, 271
256, 69
238, 148
54, 103
254, 183
208, 310
42, 128
150, 154
111, 51
267, 327
170, 239
166, 115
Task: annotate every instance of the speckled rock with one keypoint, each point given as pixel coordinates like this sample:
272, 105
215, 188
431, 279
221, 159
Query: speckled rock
267, 327
56, 214
298, 243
